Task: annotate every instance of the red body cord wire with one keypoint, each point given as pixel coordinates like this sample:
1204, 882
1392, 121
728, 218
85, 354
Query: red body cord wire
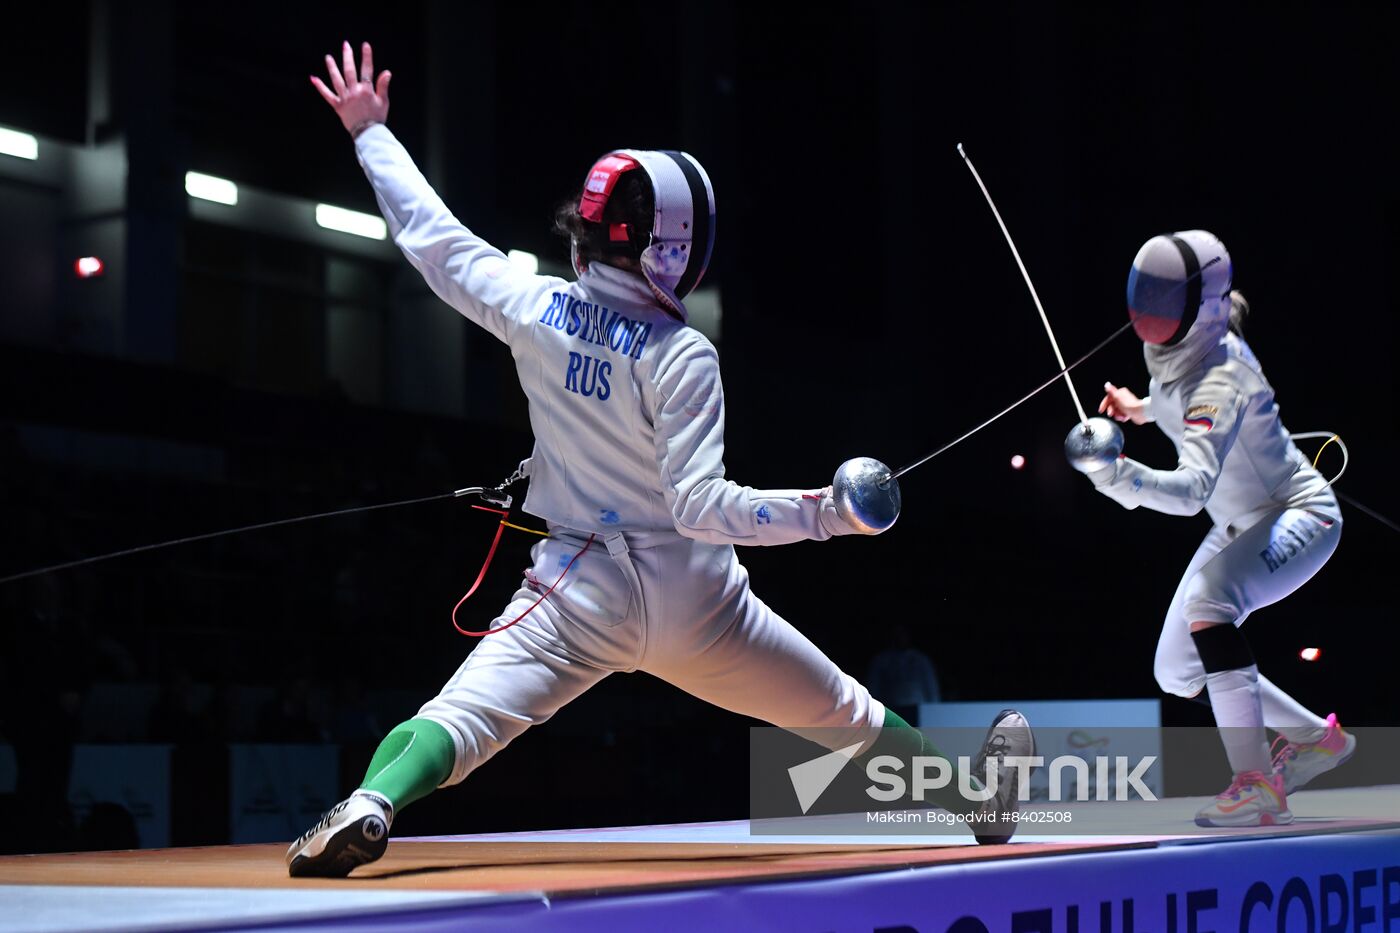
490, 555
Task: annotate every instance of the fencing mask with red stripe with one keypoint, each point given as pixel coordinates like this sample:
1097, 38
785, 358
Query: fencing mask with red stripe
677, 249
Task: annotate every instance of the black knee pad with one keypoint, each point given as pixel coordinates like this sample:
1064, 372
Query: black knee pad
1222, 648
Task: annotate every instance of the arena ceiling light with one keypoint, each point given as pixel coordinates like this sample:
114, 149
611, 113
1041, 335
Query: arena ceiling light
210, 188
338, 218
525, 261
17, 144
88, 267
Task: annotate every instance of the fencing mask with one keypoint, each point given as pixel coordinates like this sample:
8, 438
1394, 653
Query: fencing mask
676, 250
1178, 281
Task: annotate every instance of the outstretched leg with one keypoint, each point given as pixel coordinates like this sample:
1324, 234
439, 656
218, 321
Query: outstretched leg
513, 680
759, 665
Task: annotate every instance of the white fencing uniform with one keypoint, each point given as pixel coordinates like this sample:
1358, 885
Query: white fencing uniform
1275, 524
627, 410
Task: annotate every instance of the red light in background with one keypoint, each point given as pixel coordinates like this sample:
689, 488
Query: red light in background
1310, 654
88, 266
1017, 462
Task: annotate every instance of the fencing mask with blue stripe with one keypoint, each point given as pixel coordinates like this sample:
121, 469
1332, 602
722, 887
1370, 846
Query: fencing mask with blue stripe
1179, 281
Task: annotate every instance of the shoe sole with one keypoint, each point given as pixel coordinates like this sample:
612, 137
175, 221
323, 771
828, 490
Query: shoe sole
1337, 763
1002, 840
1264, 819
347, 849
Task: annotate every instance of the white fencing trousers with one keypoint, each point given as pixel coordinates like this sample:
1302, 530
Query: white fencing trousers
657, 602
1235, 572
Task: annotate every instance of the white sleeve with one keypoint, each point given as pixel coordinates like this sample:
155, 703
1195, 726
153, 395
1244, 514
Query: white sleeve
463, 270
689, 424
1214, 413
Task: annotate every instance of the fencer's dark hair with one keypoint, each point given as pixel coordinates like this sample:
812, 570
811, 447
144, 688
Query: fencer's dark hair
1239, 311
632, 202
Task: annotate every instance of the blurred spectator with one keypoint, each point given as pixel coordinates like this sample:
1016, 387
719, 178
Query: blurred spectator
89, 613
352, 719
41, 688
108, 826
218, 722
288, 717
177, 717
902, 677
355, 595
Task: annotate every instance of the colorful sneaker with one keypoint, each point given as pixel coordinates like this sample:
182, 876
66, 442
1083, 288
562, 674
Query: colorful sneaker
1299, 764
1009, 736
352, 833
1252, 799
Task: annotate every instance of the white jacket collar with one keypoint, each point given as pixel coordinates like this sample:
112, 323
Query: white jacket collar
1168, 364
603, 279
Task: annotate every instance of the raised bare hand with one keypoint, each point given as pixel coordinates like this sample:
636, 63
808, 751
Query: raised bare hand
358, 100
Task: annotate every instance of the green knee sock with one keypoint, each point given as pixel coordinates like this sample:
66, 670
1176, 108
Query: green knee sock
411, 762
902, 740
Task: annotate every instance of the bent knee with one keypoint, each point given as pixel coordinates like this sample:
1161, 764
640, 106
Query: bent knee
1209, 607
1175, 677
1177, 683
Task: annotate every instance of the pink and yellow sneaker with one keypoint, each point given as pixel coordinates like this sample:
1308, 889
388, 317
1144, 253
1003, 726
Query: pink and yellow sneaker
1252, 799
1299, 764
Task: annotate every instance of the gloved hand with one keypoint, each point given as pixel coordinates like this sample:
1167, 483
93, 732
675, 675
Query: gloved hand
1104, 476
1094, 447
831, 519
866, 495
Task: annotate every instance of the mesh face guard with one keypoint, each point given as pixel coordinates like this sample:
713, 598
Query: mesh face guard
682, 236
1176, 281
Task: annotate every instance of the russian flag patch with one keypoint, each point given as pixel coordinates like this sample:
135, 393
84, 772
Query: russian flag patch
1202, 416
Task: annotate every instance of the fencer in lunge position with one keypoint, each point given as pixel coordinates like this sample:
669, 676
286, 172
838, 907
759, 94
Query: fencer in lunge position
1276, 521
627, 411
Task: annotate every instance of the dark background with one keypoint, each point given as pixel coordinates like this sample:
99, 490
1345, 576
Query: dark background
870, 308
